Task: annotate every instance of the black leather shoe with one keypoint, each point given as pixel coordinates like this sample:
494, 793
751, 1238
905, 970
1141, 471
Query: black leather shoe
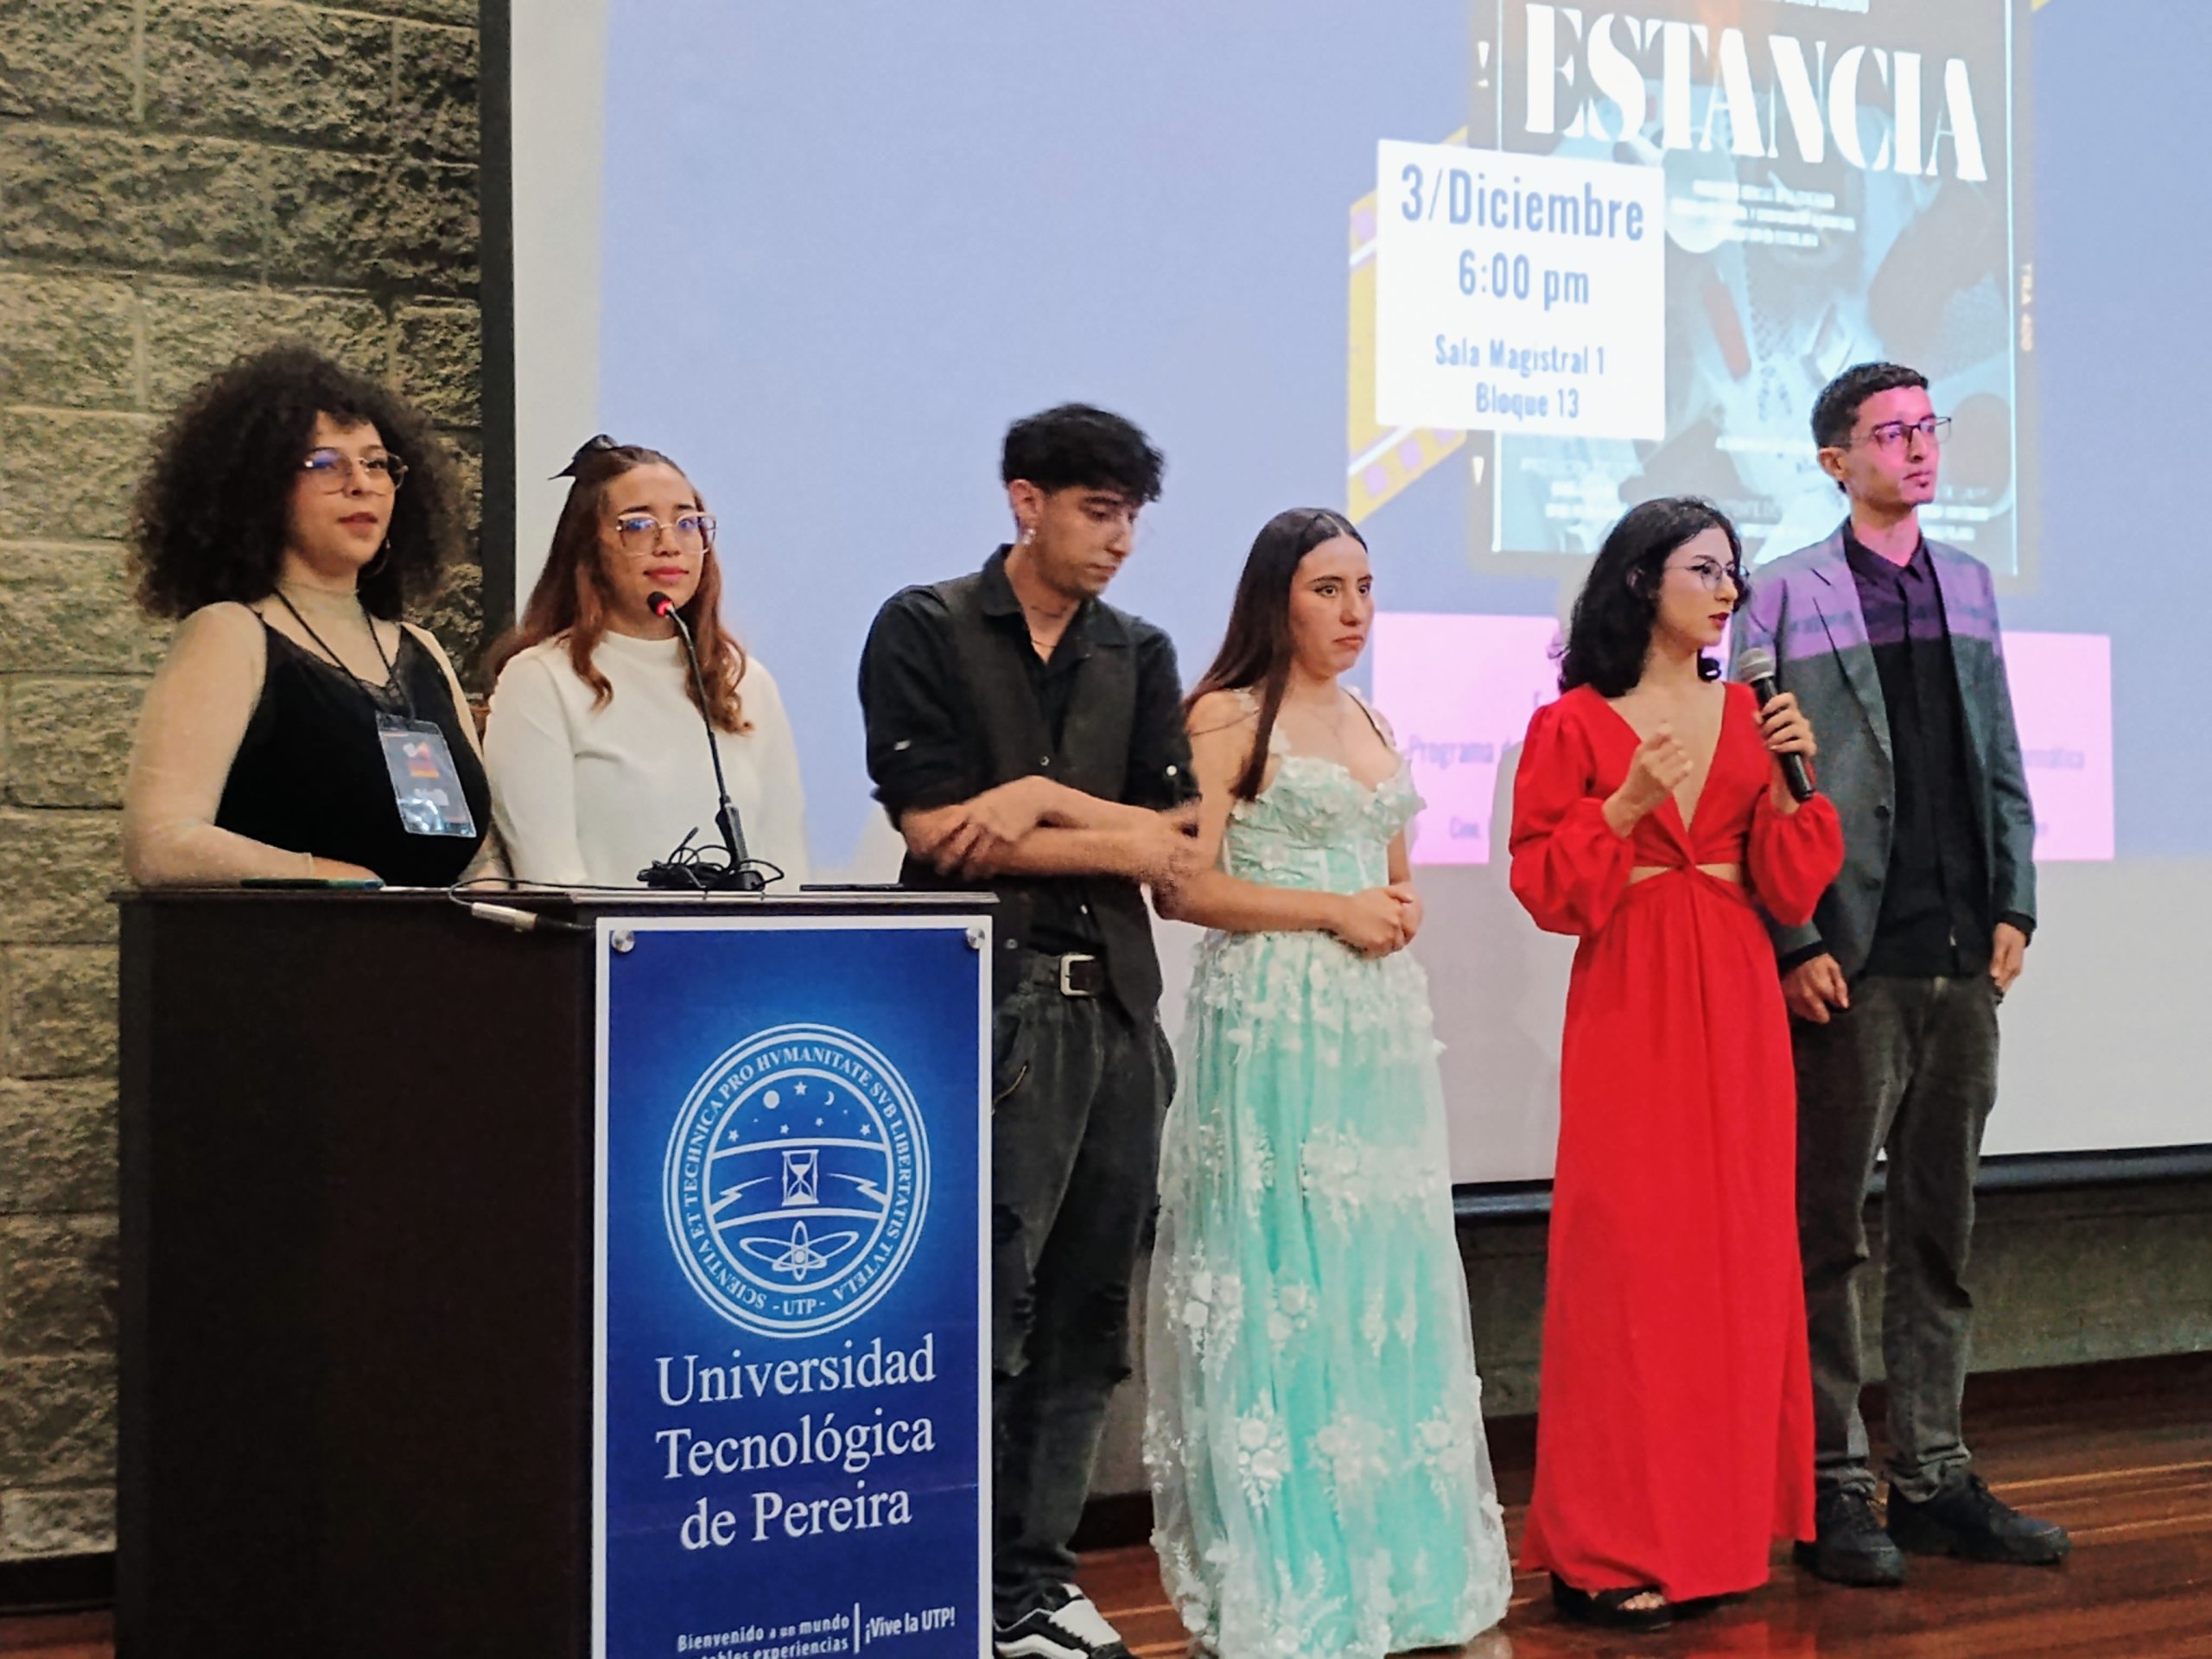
1967, 1520
1850, 1547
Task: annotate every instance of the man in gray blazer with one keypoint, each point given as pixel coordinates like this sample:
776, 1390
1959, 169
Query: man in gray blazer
1891, 643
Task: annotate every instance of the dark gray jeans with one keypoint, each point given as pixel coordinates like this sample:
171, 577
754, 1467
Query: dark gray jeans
1079, 1090
1909, 1068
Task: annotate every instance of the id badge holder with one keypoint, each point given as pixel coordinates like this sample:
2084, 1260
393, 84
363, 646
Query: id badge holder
424, 785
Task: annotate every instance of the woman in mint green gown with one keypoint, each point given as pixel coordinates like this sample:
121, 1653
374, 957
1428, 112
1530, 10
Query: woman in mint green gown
1320, 1482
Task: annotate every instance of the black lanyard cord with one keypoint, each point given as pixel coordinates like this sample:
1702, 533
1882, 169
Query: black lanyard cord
390, 669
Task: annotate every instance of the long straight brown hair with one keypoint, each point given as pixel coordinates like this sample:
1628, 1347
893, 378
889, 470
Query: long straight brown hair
1256, 651
571, 594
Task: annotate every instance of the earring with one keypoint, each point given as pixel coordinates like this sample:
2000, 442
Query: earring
1028, 534
376, 565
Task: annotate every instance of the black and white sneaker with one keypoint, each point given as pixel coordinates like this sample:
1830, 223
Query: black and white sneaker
1071, 1629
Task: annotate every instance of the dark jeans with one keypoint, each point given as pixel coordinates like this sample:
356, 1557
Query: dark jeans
1909, 1068
1079, 1091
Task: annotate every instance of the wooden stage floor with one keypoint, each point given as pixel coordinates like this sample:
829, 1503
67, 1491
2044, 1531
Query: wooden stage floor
2120, 1454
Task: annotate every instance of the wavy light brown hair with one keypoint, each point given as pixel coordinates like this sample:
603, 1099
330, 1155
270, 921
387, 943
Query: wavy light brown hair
571, 594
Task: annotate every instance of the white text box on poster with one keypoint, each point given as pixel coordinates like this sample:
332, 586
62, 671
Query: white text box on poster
1519, 293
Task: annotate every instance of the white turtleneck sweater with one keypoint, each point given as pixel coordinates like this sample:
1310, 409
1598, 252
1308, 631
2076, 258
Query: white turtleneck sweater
592, 795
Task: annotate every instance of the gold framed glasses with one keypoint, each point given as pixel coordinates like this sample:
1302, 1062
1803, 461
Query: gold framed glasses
640, 533
333, 470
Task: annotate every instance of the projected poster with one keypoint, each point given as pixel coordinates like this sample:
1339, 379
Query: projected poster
1838, 184
824, 266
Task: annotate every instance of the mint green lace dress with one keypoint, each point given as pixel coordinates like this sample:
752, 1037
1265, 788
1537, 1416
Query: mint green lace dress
1320, 1482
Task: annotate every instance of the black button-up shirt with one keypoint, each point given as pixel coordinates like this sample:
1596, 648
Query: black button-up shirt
926, 746
1935, 918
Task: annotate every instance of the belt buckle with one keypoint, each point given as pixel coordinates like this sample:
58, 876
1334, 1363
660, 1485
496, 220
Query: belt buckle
1067, 966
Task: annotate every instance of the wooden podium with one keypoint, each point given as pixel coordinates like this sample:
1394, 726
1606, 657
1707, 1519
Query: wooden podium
357, 1144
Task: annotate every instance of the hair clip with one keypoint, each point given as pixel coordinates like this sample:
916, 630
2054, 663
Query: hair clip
590, 446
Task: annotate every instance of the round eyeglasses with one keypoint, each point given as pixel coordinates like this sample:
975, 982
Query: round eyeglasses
640, 532
335, 471
1712, 573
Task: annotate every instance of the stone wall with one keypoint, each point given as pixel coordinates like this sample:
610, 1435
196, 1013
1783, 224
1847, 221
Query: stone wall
180, 181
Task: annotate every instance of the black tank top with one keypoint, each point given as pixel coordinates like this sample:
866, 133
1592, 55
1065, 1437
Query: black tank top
310, 776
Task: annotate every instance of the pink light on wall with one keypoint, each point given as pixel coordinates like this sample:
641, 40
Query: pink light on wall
2062, 701
1459, 691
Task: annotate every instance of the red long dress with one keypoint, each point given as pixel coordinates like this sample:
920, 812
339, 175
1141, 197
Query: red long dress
1674, 1434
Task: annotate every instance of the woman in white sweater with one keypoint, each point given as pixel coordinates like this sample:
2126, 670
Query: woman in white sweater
596, 751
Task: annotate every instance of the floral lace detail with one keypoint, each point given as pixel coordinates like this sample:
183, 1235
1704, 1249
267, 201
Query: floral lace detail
1341, 1172
1163, 1450
1375, 1323
1378, 1602
1409, 1325
1256, 1166
1212, 1309
1289, 1315
1262, 1452
1448, 1446
1351, 1451
1308, 1371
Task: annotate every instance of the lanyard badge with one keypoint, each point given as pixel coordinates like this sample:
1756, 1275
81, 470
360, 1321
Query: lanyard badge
424, 785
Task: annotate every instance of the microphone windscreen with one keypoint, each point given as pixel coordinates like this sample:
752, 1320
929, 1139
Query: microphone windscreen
659, 604
1755, 665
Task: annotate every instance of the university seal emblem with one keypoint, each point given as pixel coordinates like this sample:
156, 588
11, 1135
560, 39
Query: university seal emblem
796, 1181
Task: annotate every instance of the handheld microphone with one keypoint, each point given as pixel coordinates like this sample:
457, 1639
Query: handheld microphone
1756, 668
740, 876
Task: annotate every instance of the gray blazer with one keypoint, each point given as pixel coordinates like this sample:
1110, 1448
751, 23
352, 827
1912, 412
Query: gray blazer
1804, 608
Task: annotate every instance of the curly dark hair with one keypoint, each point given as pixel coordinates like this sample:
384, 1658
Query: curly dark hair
1611, 633
1077, 446
213, 511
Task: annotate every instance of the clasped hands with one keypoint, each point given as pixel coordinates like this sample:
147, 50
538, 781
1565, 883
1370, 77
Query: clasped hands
1378, 920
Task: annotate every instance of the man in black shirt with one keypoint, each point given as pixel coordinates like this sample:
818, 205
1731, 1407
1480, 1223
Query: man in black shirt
1891, 643
1024, 735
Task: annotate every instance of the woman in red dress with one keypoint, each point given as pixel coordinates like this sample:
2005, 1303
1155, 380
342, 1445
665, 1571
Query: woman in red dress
1650, 819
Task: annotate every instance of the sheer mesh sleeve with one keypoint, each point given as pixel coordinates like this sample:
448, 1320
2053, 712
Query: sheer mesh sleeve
189, 728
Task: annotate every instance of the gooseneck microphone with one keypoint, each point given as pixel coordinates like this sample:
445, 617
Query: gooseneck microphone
1757, 667
739, 876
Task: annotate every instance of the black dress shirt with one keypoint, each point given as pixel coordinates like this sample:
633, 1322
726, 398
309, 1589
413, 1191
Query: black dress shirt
1935, 919
926, 747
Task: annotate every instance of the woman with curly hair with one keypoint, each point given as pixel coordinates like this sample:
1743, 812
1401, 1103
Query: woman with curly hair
594, 735
1652, 820
298, 727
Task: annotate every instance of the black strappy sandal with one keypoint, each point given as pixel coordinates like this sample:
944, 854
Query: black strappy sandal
1609, 1609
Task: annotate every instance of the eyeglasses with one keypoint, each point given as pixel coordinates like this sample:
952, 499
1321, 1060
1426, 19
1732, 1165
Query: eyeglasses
334, 470
1891, 435
639, 533
1712, 573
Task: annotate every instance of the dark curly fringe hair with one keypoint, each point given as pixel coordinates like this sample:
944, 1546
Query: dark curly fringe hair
1611, 633
212, 511
1075, 446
